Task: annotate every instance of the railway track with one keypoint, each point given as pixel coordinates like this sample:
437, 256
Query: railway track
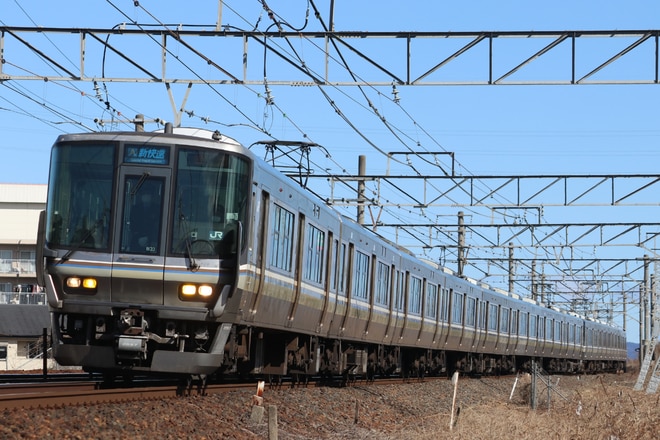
33, 392
35, 395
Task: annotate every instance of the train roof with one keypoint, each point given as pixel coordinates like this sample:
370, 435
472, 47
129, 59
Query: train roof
196, 134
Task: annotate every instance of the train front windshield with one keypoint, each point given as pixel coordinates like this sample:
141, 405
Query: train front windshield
188, 201
80, 196
210, 198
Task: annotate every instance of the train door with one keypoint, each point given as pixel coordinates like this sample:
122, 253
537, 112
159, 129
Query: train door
139, 248
261, 221
396, 310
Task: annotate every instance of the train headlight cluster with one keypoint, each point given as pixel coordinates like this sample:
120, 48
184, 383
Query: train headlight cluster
195, 292
80, 285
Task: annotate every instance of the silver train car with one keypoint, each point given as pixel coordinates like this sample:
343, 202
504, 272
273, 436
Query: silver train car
181, 252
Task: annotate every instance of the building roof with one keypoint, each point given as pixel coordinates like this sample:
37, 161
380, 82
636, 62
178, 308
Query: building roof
23, 320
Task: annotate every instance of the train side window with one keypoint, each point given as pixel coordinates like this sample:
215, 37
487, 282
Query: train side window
444, 304
457, 308
533, 321
492, 317
431, 301
514, 322
341, 275
471, 312
482, 316
382, 284
315, 252
415, 296
281, 243
522, 323
361, 275
578, 335
504, 320
398, 290
557, 331
548, 329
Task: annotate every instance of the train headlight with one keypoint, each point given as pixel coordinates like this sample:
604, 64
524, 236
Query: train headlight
195, 292
188, 290
205, 291
80, 285
89, 283
73, 282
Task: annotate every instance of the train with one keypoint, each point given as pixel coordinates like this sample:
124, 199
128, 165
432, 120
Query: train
180, 252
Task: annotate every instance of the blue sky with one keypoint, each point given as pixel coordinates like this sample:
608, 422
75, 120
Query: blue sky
493, 130
517, 129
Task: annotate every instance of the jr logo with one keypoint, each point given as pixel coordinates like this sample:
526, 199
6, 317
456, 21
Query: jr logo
215, 235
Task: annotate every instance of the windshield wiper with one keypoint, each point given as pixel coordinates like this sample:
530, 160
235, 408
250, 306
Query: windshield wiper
139, 183
183, 224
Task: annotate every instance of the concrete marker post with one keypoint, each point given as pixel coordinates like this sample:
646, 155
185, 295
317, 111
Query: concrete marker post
272, 422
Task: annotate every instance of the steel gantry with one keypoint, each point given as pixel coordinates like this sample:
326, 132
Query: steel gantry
391, 58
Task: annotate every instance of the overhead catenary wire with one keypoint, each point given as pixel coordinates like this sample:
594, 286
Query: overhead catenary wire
262, 124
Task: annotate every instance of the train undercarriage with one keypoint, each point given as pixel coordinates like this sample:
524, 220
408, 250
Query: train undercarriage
276, 355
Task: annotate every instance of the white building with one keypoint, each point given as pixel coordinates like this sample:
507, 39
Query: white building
23, 311
20, 205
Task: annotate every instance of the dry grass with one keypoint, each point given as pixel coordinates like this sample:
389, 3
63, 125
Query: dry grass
590, 407
599, 407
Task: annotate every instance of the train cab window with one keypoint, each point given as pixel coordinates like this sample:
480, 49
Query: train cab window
80, 195
457, 308
281, 241
492, 317
382, 285
315, 254
361, 275
431, 310
471, 311
415, 296
211, 198
142, 214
